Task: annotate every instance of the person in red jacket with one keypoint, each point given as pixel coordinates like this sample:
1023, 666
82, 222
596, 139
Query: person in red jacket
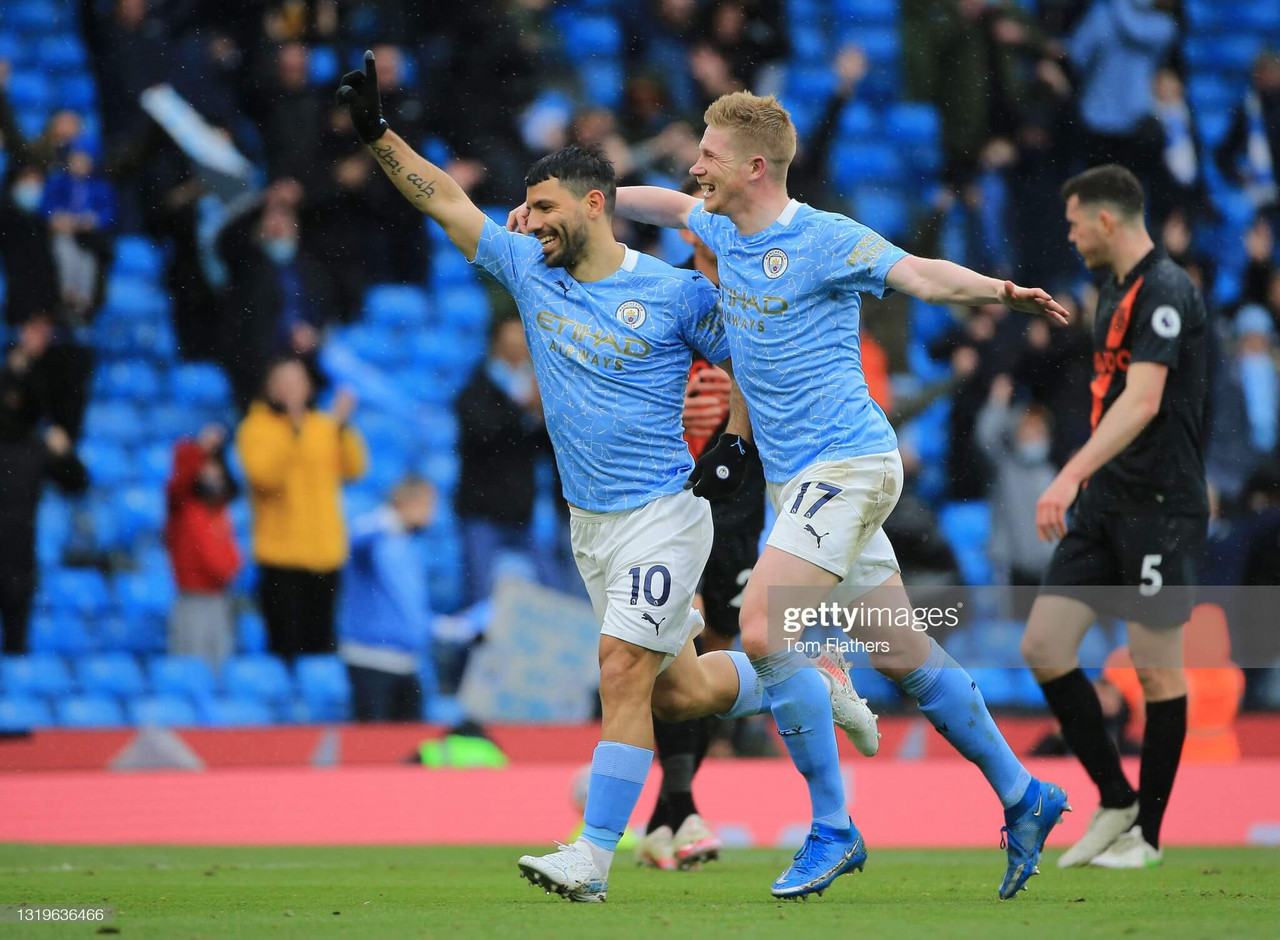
202, 548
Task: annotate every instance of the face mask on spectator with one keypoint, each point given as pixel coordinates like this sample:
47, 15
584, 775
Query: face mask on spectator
280, 250
1033, 451
27, 196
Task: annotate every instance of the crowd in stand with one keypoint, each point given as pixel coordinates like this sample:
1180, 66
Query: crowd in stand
486, 87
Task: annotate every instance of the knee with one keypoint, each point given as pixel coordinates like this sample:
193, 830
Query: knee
755, 632
622, 676
1040, 651
672, 705
1163, 683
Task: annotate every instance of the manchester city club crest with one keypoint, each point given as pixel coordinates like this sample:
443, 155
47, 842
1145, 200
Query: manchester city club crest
632, 313
775, 262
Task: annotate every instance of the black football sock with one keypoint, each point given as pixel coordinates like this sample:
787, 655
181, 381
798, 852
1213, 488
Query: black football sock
1161, 753
661, 814
677, 745
1074, 702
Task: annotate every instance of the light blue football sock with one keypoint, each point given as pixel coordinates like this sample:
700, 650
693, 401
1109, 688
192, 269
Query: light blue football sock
617, 777
951, 700
752, 699
801, 706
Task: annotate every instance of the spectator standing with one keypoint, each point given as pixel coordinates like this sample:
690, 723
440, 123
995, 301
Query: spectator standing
80, 207
502, 436
295, 460
202, 548
1246, 405
1248, 154
385, 621
31, 279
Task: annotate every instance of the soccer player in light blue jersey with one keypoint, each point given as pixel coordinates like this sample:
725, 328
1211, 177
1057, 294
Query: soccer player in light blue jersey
791, 278
611, 333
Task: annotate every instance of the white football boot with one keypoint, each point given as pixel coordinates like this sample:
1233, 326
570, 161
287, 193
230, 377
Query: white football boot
1131, 850
848, 710
570, 872
1105, 827
657, 849
695, 843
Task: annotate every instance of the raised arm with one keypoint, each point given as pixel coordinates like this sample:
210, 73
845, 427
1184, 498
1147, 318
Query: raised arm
654, 205
430, 189
936, 281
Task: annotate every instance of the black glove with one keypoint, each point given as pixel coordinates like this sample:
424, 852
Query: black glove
719, 471
359, 92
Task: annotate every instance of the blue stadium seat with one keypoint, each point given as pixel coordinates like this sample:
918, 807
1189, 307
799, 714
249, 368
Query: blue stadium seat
30, 91
37, 675
1232, 53
880, 43
111, 674
22, 714
132, 379
185, 676
439, 429
62, 52
202, 384
379, 344
164, 711
147, 593
865, 163
11, 49
235, 713
251, 631
397, 305
465, 307
809, 43
449, 268
168, 421
108, 464
36, 16
884, 210
141, 511
60, 632
90, 711
77, 92
866, 12
138, 633
263, 677
136, 298
911, 124
154, 463
858, 121
324, 687
137, 256
53, 527
592, 36
602, 81
323, 67
966, 524
82, 590
809, 83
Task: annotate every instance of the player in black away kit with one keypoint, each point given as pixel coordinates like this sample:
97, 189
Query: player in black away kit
1138, 514
676, 835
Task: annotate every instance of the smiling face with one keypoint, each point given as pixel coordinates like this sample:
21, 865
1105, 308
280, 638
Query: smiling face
558, 219
1089, 227
721, 171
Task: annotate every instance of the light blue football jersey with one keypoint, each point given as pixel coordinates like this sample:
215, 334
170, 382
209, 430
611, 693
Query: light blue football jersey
789, 299
612, 360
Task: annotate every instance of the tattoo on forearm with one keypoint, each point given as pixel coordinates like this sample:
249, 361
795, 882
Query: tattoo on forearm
387, 157
426, 188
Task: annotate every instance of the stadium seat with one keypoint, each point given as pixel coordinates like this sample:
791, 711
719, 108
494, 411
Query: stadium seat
136, 298
131, 379
11, 48
397, 305
168, 422
37, 16
592, 36
465, 307
184, 676
880, 43
64, 632
865, 12
164, 711
864, 163
379, 344
107, 463
602, 81
22, 714
201, 384
139, 257
324, 686
966, 524
882, 209
146, 593
89, 711
234, 713
449, 268
858, 121
323, 67
913, 124
809, 83
1229, 53
809, 44
37, 675
141, 634
29, 91
251, 631
77, 92
82, 590
112, 421
263, 677
61, 53
111, 674
141, 511
154, 463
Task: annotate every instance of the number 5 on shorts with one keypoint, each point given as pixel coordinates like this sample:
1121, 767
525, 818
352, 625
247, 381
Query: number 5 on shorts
828, 491
1152, 579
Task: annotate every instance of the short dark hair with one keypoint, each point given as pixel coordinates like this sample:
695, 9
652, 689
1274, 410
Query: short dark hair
1110, 183
579, 170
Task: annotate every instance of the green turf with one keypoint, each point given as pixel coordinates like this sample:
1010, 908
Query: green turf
476, 892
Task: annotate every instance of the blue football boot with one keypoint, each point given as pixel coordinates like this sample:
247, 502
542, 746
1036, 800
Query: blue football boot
1026, 827
827, 854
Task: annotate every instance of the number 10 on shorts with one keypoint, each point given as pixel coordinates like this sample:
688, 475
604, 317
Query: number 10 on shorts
650, 577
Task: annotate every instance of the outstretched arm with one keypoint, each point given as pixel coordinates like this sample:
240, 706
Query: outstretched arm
430, 189
654, 205
943, 282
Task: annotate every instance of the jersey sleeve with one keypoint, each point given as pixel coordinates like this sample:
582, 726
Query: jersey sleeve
706, 226
1159, 316
506, 255
861, 258
702, 325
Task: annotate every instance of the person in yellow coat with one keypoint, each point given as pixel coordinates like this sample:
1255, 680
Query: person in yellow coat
296, 459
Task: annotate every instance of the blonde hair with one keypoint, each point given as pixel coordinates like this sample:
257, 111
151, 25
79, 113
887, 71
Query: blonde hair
760, 123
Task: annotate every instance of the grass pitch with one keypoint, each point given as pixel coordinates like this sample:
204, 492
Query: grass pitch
477, 892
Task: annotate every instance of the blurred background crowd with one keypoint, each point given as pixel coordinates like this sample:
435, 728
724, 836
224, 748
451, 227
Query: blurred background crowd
249, 401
